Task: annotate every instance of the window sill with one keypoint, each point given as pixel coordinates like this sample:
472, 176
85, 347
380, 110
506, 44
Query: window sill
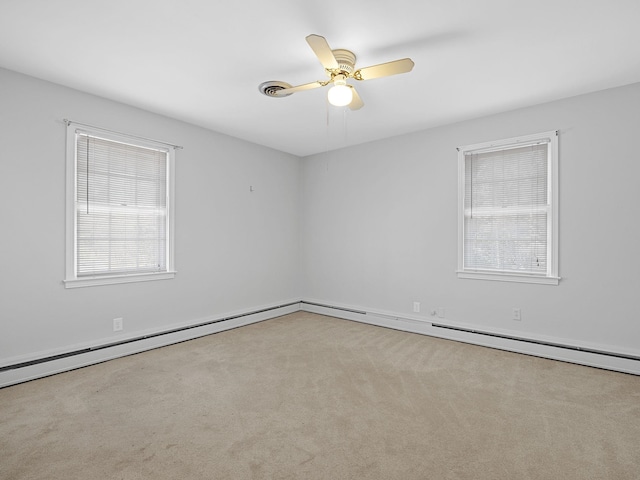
509, 277
115, 279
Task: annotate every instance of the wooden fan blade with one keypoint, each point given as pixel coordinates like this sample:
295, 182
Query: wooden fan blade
323, 51
384, 69
307, 86
356, 102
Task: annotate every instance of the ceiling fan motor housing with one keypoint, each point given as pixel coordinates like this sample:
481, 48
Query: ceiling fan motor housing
346, 60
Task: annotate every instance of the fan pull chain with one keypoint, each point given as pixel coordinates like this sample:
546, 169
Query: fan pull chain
326, 148
344, 125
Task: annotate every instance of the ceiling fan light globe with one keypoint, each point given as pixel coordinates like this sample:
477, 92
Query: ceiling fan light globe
340, 95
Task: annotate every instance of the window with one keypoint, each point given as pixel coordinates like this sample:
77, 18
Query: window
507, 214
119, 208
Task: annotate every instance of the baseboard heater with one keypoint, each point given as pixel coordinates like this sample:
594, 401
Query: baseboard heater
136, 339
362, 312
538, 342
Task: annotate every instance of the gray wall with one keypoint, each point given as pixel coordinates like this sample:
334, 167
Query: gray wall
378, 226
235, 250
372, 226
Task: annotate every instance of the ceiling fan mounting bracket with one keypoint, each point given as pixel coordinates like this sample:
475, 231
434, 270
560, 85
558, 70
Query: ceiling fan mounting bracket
337, 75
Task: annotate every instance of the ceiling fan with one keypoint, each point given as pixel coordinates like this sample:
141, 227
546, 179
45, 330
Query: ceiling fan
339, 65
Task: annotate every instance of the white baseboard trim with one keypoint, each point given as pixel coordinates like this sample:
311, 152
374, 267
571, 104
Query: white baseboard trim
49, 363
22, 369
599, 356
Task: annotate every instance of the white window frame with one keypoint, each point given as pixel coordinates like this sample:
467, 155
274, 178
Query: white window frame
71, 278
551, 277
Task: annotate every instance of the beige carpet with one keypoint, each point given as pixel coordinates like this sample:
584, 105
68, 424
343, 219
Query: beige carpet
312, 397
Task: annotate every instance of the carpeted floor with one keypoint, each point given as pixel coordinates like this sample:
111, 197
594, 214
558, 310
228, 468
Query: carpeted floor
311, 397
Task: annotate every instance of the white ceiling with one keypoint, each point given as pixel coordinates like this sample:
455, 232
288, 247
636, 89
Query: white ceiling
201, 61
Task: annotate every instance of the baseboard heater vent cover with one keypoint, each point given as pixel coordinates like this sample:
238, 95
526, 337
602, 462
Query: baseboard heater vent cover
136, 339
361, 312
539, 342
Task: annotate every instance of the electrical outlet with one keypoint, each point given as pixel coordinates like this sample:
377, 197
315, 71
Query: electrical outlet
440, 312
517, 314
416, 307
118, 324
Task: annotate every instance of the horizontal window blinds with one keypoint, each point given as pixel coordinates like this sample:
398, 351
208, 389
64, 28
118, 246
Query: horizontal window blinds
121, 208
506, 210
